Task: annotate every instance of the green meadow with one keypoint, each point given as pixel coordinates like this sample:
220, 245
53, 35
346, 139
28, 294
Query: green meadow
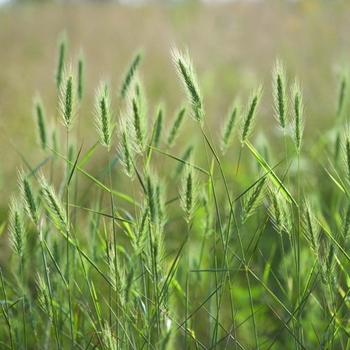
175, 176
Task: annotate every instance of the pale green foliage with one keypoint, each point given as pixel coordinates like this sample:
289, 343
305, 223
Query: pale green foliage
117, 265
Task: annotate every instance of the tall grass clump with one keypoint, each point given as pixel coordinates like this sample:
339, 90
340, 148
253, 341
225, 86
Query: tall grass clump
142, 238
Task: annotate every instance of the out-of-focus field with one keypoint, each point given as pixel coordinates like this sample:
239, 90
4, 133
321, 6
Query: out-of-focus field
233, 47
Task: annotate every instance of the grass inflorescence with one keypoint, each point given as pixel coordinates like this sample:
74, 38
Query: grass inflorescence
146, 238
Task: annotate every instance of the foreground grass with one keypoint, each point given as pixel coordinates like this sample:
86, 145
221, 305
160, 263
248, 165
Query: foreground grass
228, 243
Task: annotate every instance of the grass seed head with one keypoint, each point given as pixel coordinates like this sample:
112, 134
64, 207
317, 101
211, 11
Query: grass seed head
130, 74
188, 77
250, 113
16, 227
61, 59
174, 130
68, 99
280, 92
41, 122
29, 201
298, 115
103, 115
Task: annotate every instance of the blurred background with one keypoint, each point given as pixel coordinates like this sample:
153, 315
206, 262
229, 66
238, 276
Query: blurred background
233, 45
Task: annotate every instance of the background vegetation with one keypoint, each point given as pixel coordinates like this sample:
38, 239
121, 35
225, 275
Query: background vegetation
271, 290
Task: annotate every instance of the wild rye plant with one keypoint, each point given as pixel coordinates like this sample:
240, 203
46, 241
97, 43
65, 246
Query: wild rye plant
226, 243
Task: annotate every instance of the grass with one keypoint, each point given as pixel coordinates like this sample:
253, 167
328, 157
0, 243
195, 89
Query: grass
137, 244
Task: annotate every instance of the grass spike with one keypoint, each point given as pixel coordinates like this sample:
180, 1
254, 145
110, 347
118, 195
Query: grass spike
174, 130
346, 152
189, 193
158, 127
228, 128
68, 99
103, 115
280, 92
41, 122
28, 199
345, 227
310, 227
253, 199
126, 149
16, 227
188, 77
298, 115
61, 59
81, 68
250, 113
53, 202
342, 94
44, 299
130, 75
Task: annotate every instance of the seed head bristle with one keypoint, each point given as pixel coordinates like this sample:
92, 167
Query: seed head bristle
345, 228
280, 92
44, 299
130, 75
298, 115
68, 99
346, 152
136, 116
16, 227
342, 95
250, 113
253, 199
41, 122
28, 199
158, 127
80, 76
126, 149
53, 203
189, 193
103, 115
228, 128
310, 227
177, 122
279, 212
188, 77
61, 59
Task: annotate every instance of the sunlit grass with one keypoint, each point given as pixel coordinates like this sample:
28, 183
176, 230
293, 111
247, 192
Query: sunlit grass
137, 244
